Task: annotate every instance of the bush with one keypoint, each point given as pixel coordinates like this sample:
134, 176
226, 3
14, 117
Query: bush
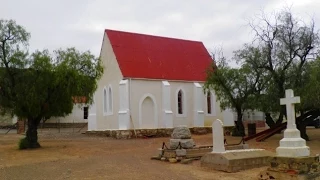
23, 144
235, 132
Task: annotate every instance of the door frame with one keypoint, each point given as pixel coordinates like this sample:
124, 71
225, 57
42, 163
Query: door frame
155, 110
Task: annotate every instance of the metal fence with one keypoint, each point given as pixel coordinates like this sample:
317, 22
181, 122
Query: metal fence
52, 127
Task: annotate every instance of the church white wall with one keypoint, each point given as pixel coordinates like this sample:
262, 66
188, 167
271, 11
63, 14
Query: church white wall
217, 113
140, 88
112, 76
188, 115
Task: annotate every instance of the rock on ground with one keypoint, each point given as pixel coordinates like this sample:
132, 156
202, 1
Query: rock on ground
185, 143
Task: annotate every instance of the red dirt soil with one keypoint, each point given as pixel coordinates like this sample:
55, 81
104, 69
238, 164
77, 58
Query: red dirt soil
77, 156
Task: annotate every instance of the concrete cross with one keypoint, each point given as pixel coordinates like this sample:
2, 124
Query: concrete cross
289, 101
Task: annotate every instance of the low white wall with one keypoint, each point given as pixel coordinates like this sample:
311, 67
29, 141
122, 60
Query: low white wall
77, 116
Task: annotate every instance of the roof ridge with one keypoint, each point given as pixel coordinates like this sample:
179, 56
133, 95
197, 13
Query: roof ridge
143, 34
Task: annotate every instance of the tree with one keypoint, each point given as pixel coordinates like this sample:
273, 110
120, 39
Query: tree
235, 88
310, 96
42, 85
284, 44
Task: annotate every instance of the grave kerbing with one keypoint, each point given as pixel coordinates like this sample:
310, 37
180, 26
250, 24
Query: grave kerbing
232, 160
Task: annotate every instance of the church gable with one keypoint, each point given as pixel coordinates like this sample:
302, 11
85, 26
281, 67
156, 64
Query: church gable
154, 57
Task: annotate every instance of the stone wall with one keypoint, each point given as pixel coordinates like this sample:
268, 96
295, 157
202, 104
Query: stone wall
142, 133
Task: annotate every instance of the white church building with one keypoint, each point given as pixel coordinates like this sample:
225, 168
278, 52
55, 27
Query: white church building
152, 82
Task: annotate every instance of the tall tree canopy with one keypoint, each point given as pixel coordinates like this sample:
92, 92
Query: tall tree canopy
282, 56
42, 85
285, 43
287, 47
235, 88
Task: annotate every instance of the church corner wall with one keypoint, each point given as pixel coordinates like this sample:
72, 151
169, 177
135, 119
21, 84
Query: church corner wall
124, 109
166, 110
111, 78
198, 108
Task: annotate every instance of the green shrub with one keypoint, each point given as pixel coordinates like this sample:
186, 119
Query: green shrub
23, 144
235, 132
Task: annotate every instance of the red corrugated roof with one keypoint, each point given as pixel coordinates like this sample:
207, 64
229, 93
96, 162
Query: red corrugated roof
155, 57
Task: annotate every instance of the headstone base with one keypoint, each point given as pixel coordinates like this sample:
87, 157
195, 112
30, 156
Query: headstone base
297, 168
236, 160
293, 151
292, 145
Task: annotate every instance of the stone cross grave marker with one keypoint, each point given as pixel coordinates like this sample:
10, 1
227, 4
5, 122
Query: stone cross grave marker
292, 145
289, 101
218, 137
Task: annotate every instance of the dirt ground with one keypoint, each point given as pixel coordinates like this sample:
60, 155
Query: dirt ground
77, 156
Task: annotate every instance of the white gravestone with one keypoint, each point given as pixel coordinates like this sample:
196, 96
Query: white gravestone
292, 145
218, 137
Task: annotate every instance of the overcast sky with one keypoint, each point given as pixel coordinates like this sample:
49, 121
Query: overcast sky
80, 23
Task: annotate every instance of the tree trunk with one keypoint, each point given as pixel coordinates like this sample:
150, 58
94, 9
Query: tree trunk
302, 126
32, 133
305, 119
281, 115
269, 120
239, 131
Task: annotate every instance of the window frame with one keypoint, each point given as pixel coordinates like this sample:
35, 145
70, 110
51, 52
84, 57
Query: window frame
107, 101
183, 103
213, 103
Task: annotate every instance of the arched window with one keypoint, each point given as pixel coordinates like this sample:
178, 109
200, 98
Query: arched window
180, 102
209, 102
109, 100
105, 109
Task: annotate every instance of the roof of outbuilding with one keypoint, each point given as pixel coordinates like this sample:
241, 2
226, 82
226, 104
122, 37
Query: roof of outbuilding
155, 57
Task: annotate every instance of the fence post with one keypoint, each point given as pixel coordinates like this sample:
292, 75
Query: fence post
59, 124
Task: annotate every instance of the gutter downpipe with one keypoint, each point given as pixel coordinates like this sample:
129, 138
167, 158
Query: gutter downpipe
135, 133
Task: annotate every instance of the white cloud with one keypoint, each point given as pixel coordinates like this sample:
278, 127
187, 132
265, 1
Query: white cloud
80, 23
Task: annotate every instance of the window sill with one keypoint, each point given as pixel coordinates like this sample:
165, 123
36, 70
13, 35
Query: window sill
181, 115
213, 114
107, 113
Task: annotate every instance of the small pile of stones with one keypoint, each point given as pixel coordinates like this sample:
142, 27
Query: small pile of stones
175, 153
181, 135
